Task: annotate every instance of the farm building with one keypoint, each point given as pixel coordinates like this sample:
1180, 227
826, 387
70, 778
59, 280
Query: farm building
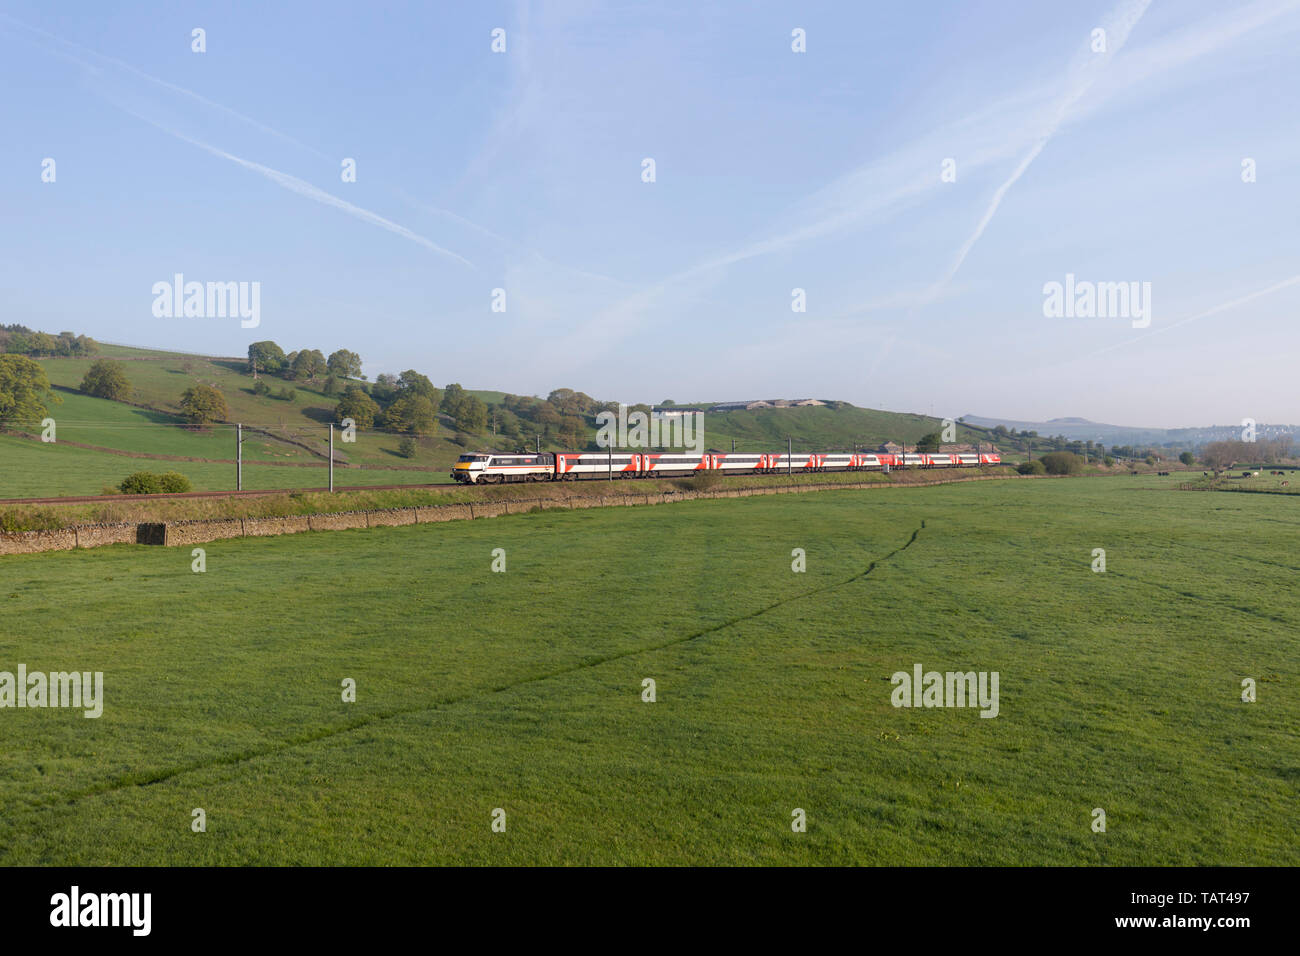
766, 403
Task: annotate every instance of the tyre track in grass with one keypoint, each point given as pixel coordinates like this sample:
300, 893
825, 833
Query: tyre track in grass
149, 778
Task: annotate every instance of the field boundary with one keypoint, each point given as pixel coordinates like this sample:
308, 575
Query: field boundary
201, 530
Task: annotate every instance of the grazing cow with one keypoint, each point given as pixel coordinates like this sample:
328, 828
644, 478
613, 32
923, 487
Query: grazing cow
1285, 483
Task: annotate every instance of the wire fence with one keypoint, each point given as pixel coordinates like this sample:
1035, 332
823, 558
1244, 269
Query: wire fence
58, 457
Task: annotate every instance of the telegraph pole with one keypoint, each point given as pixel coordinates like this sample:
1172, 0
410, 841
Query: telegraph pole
331, 456
789, 455
239, 457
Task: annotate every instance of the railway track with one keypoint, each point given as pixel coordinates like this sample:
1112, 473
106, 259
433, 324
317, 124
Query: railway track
91, 499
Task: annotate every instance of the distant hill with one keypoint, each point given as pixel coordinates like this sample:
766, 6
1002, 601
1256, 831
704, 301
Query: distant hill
1081, 429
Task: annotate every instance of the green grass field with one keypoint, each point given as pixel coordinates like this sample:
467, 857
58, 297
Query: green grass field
31, 469
158, 381
86, 420
522, 690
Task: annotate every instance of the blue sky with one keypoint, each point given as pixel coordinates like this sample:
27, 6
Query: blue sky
775, 170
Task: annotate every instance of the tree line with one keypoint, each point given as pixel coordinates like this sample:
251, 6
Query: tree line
1221, 455
20, 340
306, 365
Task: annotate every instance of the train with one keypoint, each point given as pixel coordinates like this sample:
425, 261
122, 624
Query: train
502, 467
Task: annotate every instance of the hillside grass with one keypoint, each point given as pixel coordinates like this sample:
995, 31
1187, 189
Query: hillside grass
158, 381
33, 469
822, 428
522, 690
87, 420
298, 431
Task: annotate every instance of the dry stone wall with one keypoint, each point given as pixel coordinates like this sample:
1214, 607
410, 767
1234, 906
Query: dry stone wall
178, 533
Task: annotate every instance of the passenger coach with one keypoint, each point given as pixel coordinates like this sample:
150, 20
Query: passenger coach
494, 468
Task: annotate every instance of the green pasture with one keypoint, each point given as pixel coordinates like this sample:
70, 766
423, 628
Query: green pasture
33, 469
523, 690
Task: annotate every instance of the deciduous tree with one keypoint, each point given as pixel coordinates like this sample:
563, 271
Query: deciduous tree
203, 404
105, 379
24, 390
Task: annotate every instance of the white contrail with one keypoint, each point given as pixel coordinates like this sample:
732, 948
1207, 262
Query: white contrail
1082, 75
303, 188
197, 97
1222, 307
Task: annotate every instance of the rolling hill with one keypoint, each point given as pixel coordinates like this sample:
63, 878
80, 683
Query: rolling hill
286, 445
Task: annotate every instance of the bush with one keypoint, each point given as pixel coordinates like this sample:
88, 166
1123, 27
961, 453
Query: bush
106, 379
703, 481
16, 519
203, 404
1034, 467
1108, 461
406, 447
1062, 463
141, 483
173, 482
261, 388
287, 395
147, 483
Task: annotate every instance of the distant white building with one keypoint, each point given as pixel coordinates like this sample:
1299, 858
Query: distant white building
765, 403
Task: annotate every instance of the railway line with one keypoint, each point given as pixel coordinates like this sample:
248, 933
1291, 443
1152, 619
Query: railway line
92, 499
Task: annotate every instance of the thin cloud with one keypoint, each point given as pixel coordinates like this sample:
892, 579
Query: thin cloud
164, 84
303, 188
1221, 307
1081, 77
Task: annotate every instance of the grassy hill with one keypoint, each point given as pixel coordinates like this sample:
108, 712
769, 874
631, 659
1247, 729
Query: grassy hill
822, 428
294, 432
100, 441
